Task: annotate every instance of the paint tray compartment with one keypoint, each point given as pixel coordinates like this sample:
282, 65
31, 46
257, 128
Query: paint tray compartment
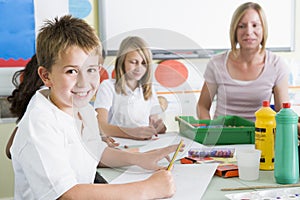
222, 130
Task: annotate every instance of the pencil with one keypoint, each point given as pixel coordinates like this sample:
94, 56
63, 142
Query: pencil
175, 155
261, 187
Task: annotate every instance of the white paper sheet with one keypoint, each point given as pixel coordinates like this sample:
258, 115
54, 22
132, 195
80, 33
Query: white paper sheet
282, 193
162, 141
134, 143
191, 179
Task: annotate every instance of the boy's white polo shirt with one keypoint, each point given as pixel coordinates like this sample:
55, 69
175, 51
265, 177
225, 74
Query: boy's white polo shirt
52, 151
130, 110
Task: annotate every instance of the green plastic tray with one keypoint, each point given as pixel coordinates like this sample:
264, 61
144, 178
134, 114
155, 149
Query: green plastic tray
222, 130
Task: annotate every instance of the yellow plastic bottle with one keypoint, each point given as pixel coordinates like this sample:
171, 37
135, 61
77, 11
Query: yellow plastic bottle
265, 127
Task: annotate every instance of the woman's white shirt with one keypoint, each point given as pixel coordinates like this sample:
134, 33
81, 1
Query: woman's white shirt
52, 151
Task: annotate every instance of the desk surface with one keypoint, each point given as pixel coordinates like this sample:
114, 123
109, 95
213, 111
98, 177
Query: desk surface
217, 183
213, 191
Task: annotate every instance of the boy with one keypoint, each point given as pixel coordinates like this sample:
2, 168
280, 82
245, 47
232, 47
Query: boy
57, 146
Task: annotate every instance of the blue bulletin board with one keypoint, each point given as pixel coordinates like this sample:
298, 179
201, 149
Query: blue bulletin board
21, 19
17, 32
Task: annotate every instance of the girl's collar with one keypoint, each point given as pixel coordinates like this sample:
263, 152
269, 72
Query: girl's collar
128, 89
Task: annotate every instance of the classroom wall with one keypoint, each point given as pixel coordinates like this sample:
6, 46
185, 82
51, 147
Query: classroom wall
6, 170
211, 20
197, 65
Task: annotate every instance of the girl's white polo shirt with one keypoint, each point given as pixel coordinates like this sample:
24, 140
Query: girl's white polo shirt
52, 151
130, 110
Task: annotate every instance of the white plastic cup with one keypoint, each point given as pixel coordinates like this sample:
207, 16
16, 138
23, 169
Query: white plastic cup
248, 161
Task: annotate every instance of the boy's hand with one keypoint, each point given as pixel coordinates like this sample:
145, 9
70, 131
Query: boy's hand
149, 159
161, 185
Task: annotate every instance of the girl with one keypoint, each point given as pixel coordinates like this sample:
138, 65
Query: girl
128, 106
21, 96
57, 146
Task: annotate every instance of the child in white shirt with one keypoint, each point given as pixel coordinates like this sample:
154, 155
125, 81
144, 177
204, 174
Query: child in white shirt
57, 146
128, 106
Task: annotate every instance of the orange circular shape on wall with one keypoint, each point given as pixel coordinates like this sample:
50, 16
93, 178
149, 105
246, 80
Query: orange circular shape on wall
171, 73
103, 74
113, 74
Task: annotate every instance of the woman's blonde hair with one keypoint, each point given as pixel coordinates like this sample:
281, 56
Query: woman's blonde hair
238, 14
129, 44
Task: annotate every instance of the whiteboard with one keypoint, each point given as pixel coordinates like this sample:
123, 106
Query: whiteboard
184, 25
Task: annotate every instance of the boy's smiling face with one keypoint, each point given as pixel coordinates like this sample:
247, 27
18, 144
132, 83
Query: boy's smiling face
73, 79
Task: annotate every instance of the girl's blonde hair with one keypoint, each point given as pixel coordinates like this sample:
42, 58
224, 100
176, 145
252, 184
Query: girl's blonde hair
129, 44
238, 14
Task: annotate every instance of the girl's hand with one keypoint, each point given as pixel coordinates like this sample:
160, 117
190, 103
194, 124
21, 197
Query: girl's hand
110, 141
158, 125
142, 133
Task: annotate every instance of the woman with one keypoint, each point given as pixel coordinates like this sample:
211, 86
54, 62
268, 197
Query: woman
244, 76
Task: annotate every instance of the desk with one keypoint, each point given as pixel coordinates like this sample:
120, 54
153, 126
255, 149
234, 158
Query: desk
217, 183
213, 192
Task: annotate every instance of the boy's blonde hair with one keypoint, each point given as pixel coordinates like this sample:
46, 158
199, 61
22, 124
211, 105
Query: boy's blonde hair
57, 36
129, 44
238, 14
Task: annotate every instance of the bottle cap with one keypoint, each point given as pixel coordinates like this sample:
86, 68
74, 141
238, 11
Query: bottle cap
286, 105
266, 103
